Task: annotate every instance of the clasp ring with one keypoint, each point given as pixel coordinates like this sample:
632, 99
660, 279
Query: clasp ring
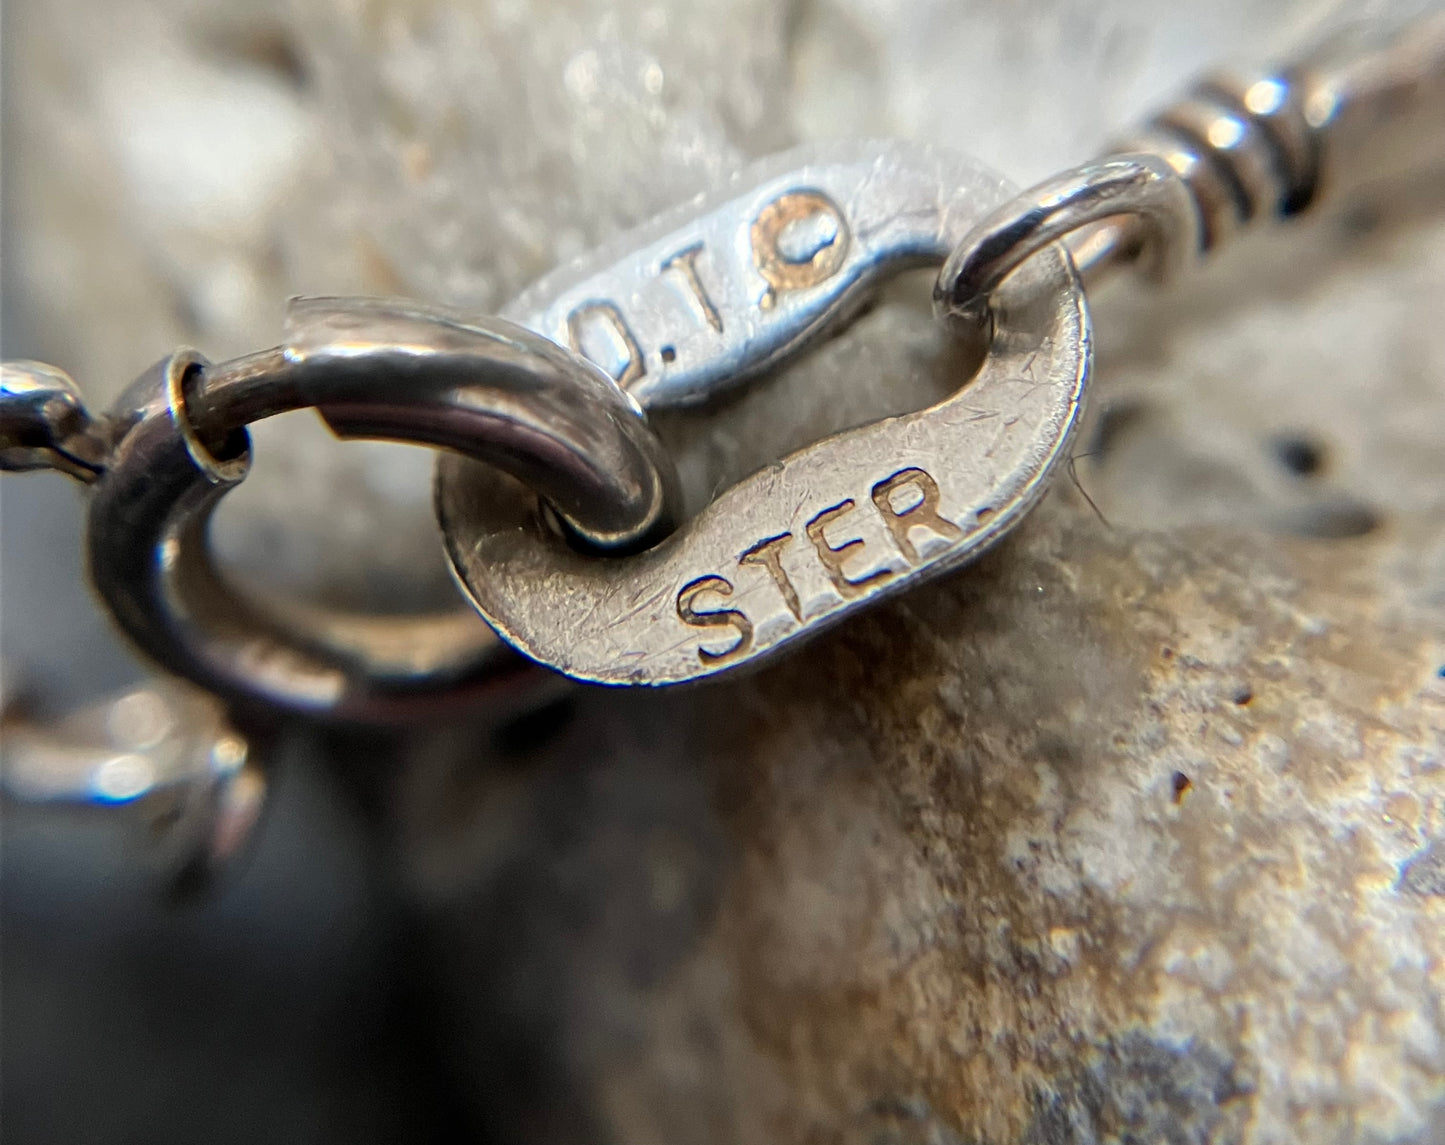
400, 371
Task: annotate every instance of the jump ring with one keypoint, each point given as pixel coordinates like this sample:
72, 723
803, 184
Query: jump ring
1141, 189
488, 389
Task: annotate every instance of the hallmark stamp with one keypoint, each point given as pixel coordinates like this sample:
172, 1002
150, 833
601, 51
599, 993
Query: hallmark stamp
732, 618
798, 240
906, 502
711, 295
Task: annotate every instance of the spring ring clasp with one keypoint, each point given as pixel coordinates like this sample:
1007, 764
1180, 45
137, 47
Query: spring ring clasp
376, 369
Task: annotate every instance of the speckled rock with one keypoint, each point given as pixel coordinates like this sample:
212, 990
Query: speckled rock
1117, 837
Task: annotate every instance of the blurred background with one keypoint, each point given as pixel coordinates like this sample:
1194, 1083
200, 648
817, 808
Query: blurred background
464, 933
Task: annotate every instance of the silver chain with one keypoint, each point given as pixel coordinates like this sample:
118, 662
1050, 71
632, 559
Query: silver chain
586, 573
1239, 151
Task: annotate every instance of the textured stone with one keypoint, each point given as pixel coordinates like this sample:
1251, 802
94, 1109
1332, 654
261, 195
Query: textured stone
1425, 873
1118, 836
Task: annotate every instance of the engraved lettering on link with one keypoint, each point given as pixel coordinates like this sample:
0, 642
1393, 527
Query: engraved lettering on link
905, 501
601, 321
922, 514
684, 262
799, 240
769, 555
835, 556
714, 618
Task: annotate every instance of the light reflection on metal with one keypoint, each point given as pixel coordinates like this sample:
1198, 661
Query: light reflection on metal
165, 759
44, 423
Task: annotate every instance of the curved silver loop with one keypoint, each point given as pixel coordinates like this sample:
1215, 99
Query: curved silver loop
1141, 189
376, 368
44, 423
489, 390
731, 285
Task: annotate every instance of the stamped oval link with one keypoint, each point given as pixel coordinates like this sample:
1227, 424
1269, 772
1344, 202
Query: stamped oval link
835, 526
727, 286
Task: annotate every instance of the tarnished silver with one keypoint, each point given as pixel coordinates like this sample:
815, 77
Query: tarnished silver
163, 760
821, 533
44, 423
373, 369
759, 568
729, 285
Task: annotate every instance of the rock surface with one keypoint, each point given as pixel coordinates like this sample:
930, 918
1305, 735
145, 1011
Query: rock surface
1118, 836
1133, 832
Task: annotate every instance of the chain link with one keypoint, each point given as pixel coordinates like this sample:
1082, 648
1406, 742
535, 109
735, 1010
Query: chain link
1238, 151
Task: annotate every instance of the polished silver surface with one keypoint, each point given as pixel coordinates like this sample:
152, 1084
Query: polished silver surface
1214, 191
704, 297
1241, 149
817, 535
1140, 188
163, 759
1274, 109
727, 286
44, 423
401, 371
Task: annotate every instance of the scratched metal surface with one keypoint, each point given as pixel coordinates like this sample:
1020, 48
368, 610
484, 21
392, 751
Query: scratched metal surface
888, 207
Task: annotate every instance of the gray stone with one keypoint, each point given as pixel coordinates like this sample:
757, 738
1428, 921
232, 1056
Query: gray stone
1424, 874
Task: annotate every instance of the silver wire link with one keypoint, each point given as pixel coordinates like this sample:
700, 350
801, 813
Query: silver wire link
838, 524
1142, 188
728, 286
757, 569
160, 762
374, 368
714, 293
44, 423
401, 371
1239, 150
